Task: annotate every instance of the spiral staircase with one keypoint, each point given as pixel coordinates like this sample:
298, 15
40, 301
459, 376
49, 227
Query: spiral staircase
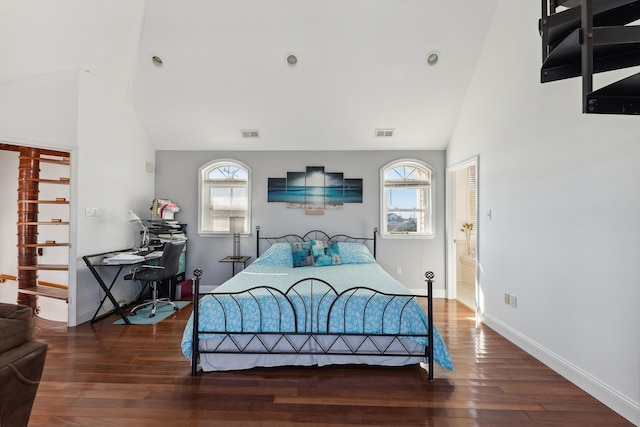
583, 37
32, 230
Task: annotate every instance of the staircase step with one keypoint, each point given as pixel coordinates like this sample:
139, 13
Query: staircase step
569, 3
44, 223
62, 180
46, 291
55, 267
43, 244
621, 97
605, 13
613, 48
63, 160
60, 201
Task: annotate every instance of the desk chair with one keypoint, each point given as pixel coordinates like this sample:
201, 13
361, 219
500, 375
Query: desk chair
166, 268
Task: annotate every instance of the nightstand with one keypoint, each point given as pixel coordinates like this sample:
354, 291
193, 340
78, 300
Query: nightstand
236, 260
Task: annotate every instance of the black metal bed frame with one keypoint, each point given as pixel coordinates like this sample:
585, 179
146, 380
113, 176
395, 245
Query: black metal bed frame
322, 338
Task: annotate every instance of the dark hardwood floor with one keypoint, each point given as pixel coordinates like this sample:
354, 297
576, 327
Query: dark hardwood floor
115, 375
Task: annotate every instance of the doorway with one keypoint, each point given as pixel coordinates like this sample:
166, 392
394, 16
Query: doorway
34, 267
462, 233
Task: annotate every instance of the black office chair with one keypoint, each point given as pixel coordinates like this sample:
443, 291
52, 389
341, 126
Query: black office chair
166, 268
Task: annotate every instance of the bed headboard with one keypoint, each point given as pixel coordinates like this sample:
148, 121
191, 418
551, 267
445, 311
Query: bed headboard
314, 235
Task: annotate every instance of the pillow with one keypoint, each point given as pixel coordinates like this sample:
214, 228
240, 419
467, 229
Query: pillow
278, 254
317, 247
355, 253
301, 254
325, 253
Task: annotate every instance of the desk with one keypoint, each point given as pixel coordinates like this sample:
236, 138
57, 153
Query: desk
236, 260
96, 260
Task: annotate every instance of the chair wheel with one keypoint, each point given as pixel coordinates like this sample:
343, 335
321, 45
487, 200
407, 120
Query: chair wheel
175, 308
152, 315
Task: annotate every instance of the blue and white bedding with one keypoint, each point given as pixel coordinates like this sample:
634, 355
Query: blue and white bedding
356, 311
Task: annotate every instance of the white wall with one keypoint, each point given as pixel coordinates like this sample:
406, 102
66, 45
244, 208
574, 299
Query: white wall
111, 176
79, 112
177, 179
41, 113
560, 186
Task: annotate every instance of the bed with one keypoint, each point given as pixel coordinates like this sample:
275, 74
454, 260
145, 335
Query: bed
307, 300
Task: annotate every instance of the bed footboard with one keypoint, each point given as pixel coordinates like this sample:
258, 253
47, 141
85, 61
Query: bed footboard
313, 318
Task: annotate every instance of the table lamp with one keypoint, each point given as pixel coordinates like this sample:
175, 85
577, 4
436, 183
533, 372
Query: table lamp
236, 226
133, 218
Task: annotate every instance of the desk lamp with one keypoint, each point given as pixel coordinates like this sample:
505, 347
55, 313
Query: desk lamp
133, 218
236, 227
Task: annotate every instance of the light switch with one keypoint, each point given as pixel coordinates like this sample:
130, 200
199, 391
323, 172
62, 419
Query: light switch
91, 212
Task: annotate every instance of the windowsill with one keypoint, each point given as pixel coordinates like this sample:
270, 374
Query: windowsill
408, 236
219, 234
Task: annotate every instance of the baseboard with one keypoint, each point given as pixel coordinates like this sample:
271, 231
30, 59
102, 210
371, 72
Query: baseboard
596, 388
85, 316
107, 307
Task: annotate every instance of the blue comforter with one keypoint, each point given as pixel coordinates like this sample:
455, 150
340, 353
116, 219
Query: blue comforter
358, 312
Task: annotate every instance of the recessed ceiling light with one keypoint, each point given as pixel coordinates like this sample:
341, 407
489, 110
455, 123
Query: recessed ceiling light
432, 58
157, 61
292, 59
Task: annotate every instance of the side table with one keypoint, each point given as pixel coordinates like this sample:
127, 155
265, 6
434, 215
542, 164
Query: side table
236, 260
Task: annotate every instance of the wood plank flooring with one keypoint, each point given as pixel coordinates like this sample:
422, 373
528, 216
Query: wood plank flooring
115, 375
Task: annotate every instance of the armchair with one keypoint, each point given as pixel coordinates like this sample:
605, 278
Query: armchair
21, 364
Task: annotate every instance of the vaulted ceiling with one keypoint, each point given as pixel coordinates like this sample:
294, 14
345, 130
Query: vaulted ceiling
361, 66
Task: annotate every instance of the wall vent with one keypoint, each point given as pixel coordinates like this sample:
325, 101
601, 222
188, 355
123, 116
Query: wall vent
384, 133
250, 133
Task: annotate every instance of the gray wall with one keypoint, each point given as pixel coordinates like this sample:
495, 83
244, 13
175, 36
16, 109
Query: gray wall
177, 179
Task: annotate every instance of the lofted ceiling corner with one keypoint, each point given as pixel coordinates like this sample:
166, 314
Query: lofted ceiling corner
221, 66
39, 37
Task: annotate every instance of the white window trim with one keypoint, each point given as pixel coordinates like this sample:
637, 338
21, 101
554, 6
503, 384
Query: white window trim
201, 176
383, 201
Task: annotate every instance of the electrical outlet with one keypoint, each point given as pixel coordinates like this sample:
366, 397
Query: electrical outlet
510, 300
398, 271
91, 212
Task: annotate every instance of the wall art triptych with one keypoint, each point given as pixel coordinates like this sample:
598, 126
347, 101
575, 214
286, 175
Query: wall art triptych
315, 189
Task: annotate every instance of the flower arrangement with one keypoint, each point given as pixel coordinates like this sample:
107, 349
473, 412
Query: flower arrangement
466, 228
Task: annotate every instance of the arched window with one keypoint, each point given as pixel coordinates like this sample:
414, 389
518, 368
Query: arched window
224, 194
406, 187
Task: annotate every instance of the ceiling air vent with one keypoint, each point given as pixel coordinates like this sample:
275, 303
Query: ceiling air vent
384, 133
250, 133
